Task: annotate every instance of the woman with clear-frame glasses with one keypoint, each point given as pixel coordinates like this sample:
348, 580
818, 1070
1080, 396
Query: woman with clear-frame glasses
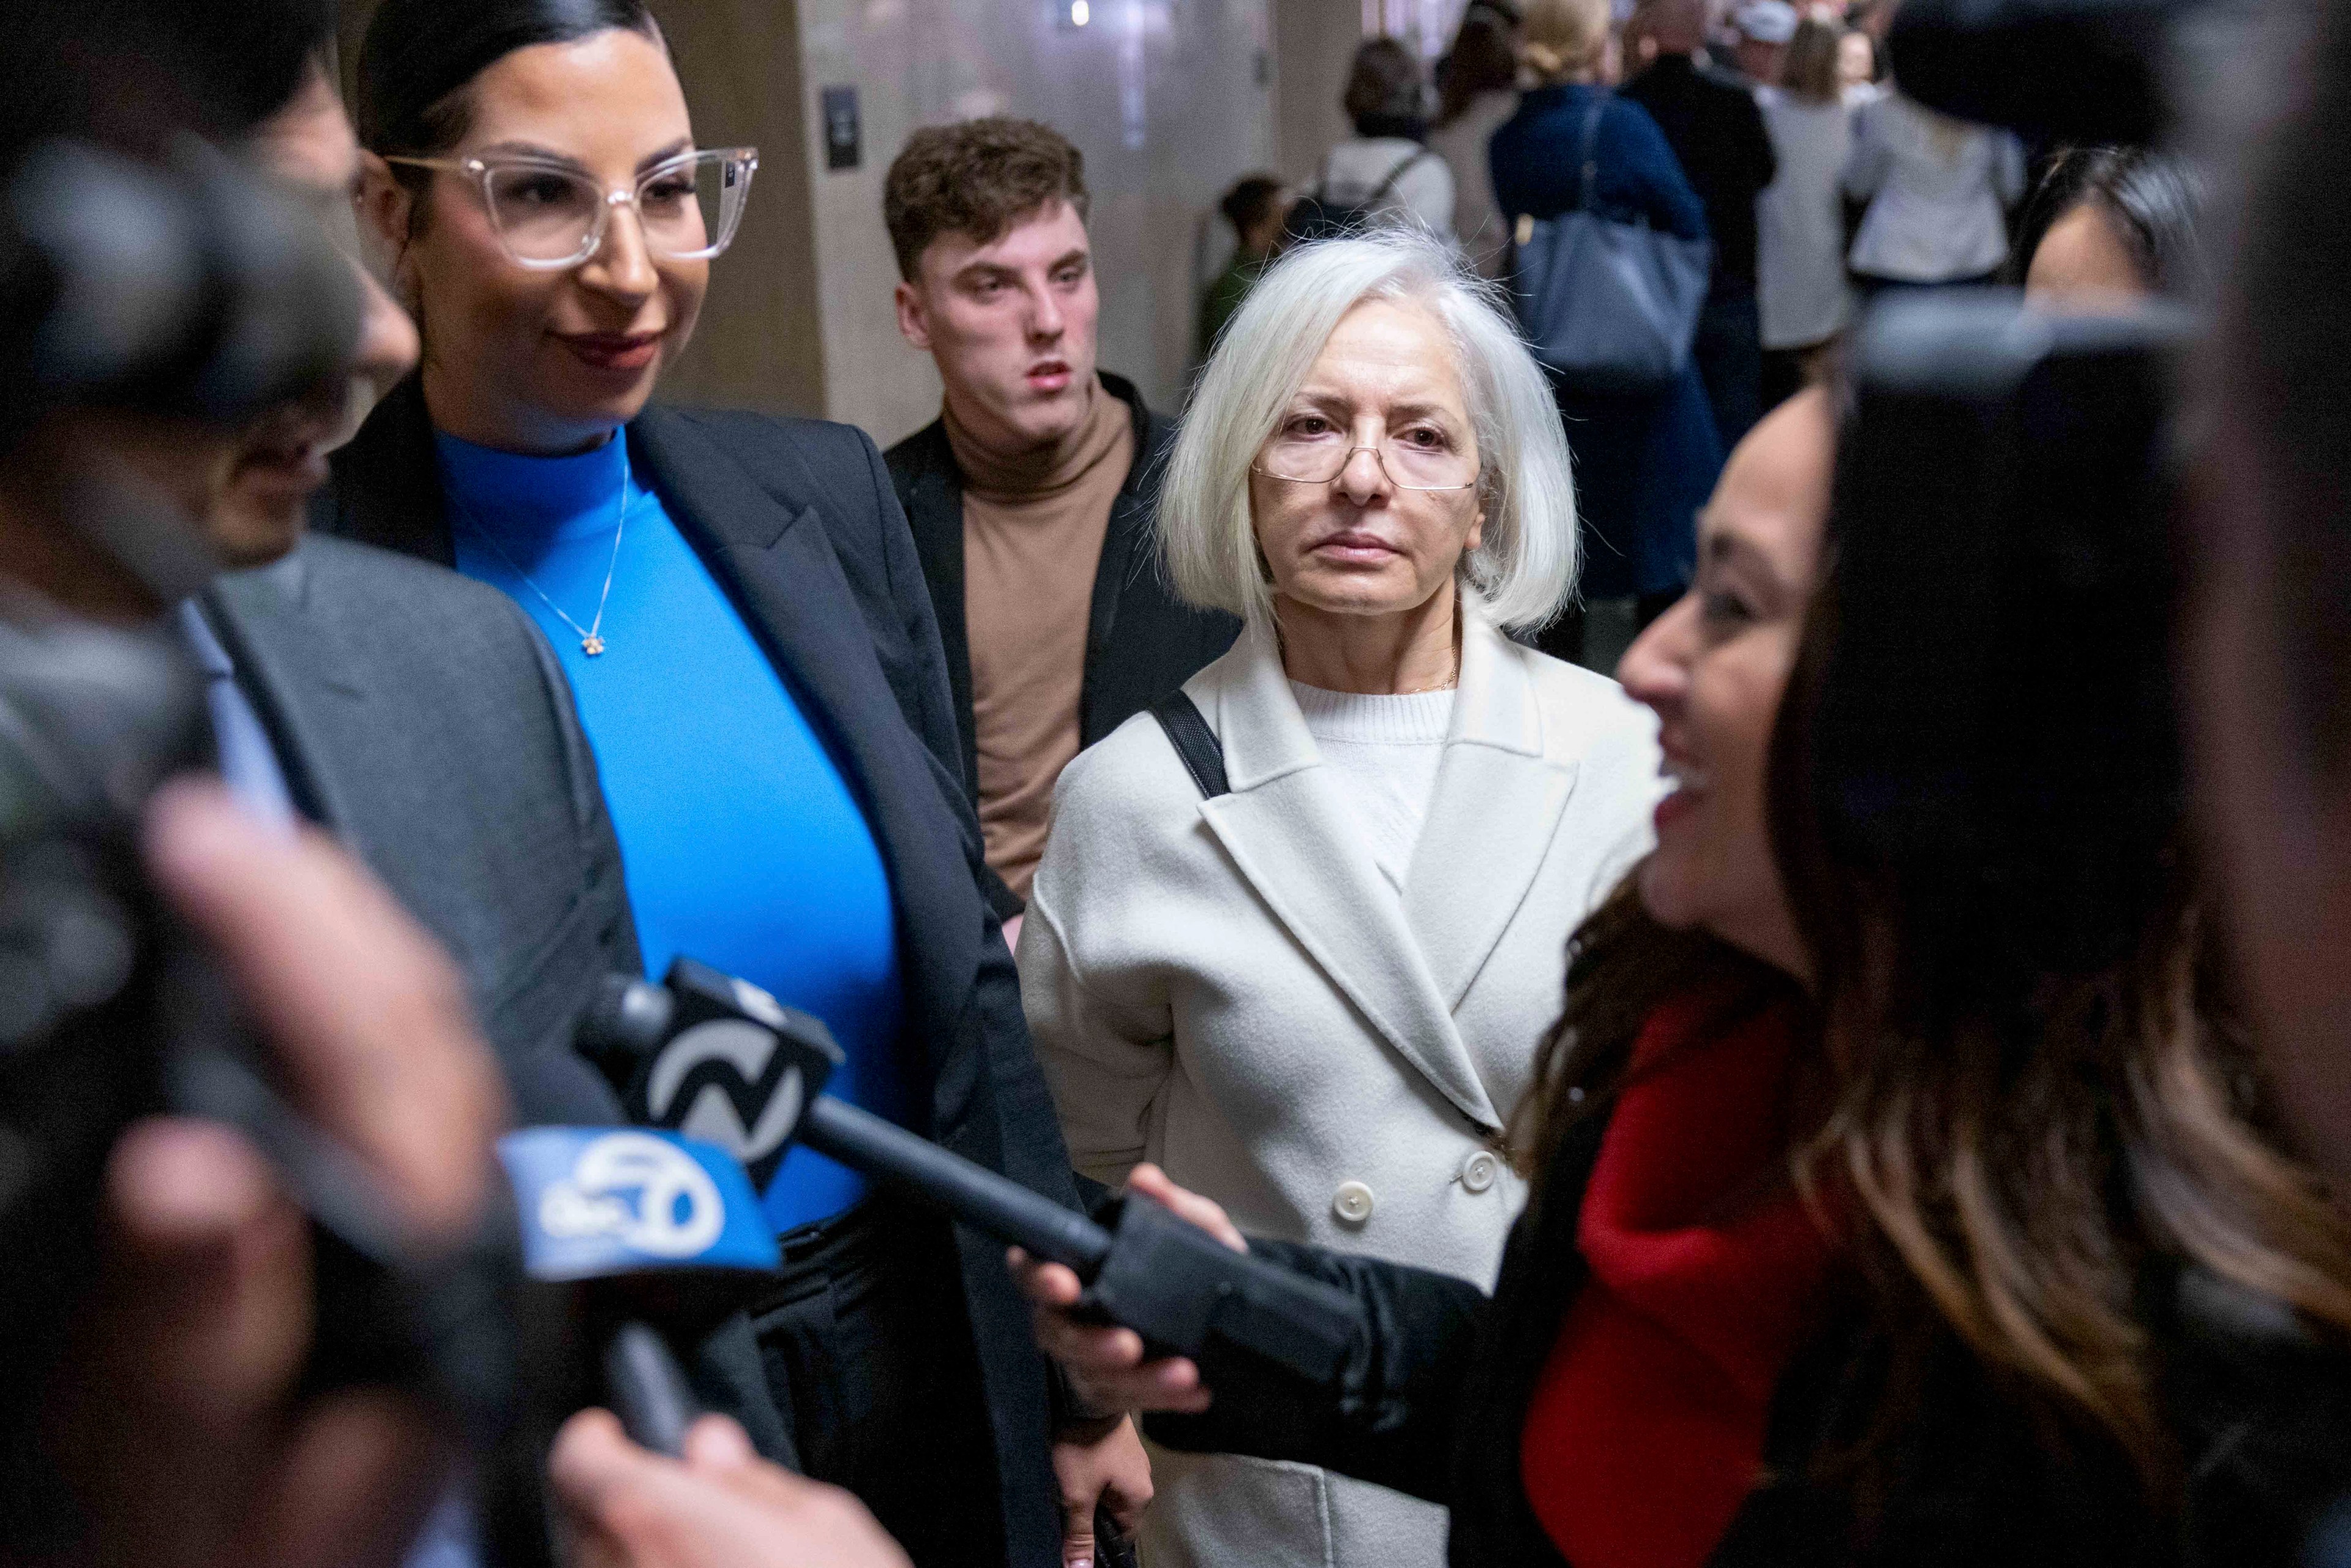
1295, 937
735, 604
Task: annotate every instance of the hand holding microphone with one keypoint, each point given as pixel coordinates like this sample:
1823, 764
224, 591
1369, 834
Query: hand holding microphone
717, 1058
1111, 1367
715, 1504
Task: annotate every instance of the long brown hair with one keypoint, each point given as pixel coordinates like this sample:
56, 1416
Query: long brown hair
2013, 1135
1809, 70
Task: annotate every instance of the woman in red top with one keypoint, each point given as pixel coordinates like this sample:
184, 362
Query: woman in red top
1873, 1223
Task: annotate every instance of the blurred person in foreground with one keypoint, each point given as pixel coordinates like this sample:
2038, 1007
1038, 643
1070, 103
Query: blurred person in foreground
1254, 209
1315, 996
184, 1428
1644, 461
420, 719
741, 613
2108, 227
1800, 216
2269, 645
1476, 91
1710, 121
1031, 495
1855, 1237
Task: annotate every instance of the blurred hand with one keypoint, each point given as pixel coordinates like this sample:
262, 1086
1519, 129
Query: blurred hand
1099, 1464
177, 1425
1105, 1364
720, 1507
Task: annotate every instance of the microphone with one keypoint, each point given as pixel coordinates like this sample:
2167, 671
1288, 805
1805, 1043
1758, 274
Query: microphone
653, 1227
717, 1058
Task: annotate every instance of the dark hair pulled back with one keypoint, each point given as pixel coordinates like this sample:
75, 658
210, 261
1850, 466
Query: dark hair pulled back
2154, 201
419, 56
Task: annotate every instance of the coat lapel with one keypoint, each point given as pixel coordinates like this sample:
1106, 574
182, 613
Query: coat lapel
295, 674
1498, 801
1286, 827
774, 554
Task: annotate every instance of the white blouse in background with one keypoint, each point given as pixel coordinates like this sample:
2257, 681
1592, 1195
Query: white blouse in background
1386, 749
1938, 192
1800, 221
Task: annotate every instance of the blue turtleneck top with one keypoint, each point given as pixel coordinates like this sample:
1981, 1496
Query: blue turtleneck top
744, 843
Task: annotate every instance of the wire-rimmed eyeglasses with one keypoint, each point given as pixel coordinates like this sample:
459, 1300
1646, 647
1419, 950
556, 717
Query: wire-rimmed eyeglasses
549, 214
1320, 459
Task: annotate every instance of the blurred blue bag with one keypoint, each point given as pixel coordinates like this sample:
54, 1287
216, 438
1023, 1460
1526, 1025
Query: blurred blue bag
1610, 305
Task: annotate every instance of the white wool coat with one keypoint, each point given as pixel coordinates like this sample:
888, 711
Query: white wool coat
1232, 990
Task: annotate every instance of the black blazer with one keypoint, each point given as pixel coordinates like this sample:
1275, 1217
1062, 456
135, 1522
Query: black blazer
797, 522
1435, 1396
1141, 641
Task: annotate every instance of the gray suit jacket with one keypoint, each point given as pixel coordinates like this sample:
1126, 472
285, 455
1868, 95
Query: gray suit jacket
421, 717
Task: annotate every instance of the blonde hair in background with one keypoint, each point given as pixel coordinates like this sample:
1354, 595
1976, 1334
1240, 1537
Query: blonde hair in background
1524, 567
1563, 39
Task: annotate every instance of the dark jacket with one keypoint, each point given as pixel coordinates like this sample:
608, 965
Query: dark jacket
797, 522
1141, 642
1645, 462
421, 717
1433, 1399
1717, 131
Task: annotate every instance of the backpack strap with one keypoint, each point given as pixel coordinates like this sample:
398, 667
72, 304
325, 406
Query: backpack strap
1388, 184
1195, 742
1587, 158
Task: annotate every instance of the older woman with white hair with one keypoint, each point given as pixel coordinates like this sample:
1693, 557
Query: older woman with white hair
1297, 933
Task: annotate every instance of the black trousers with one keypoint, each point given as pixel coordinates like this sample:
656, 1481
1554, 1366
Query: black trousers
868, 1349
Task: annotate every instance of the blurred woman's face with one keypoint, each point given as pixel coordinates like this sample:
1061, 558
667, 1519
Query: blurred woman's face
1715, 667
549, 360
1384, 405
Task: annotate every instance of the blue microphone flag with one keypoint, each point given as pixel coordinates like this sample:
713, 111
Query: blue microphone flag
595, 1201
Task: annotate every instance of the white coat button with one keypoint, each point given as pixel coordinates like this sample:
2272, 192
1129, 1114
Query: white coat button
1352, 1203
1478, 1171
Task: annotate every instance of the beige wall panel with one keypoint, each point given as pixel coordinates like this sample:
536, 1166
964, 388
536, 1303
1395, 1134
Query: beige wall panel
760, 344
1313, 43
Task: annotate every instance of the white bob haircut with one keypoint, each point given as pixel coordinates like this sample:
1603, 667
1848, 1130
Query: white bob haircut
1523, 569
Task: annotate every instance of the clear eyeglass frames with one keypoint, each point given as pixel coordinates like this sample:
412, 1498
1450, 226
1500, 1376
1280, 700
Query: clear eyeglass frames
1320, 459
549, 216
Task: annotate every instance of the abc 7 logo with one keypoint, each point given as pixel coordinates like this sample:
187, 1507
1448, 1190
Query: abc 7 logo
717, 1081
677, 1210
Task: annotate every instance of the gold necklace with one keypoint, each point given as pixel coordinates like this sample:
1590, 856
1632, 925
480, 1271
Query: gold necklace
1448, 684
591, 640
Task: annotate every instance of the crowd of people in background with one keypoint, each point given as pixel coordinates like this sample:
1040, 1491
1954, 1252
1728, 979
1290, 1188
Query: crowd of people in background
1783, 141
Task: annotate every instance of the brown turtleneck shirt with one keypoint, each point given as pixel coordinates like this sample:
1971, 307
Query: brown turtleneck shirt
1032, 539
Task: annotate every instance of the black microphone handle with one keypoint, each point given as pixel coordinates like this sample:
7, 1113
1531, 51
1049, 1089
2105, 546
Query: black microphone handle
649, 1391
979, 1198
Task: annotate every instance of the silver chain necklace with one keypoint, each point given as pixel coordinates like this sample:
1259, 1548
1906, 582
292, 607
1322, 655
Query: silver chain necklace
591, 640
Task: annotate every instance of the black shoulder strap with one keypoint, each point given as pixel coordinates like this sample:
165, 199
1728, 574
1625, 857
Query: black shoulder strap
1388, 184
1195, 742
1587, 153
